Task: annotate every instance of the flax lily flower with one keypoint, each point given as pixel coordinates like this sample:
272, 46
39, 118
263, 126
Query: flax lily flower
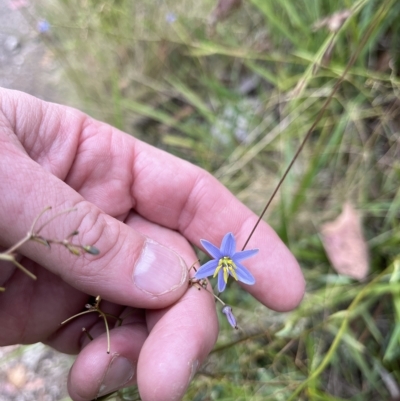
226, 262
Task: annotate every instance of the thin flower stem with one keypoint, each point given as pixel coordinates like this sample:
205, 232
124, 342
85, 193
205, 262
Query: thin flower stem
193, 266
53, 217
96, 308
38, 217
79, 314
107, 330
103, 315
11, 258
31, 234
117, 318
215, 296
26, 271
18, 244
352, 60
34, 236
87, 334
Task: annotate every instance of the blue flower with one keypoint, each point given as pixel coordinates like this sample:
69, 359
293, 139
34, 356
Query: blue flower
43, 26
170, 18
227, 311
226, 262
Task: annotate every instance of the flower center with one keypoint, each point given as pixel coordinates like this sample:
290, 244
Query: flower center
228, 267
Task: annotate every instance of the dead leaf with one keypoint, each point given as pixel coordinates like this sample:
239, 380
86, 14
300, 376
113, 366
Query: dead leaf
345, 245
333, 22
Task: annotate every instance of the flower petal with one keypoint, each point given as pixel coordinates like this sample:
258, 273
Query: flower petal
228, 246
221, 281
244, 275
242, 255
227, 311
207, 269
211, 249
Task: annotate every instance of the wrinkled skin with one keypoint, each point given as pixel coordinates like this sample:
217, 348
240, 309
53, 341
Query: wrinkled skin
129, 197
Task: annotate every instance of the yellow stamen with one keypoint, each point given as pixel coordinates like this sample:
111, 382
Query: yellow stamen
218, 268
233, 273
226, 275
228, 267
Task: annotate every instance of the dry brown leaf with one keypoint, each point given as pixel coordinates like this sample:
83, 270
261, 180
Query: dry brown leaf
345, 245
334, 21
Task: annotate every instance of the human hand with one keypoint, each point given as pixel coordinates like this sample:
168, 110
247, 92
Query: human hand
142, 208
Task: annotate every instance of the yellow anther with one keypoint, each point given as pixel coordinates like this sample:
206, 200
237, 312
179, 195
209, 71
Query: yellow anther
226, 275
228, 267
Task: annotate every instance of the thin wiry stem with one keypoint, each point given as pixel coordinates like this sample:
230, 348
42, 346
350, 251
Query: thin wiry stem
320, 114
87, 334
201, 285
79, 314
52, 218
33, 235
102, 314
18, 244
30, 233
96, 308
38, 217
10, 258
119, 319
107, 330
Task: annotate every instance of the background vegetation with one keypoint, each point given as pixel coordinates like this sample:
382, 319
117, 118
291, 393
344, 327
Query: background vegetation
236, 96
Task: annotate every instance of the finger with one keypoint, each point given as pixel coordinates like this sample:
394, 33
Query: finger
179, 341
96, 373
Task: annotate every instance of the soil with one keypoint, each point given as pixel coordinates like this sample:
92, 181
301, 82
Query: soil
35, 372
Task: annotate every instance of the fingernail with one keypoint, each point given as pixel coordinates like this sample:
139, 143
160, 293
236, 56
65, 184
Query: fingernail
119, 372
159, 269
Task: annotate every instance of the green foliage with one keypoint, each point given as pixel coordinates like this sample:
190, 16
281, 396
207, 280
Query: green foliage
238, 103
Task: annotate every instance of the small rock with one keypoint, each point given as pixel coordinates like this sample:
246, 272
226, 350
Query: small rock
12, 44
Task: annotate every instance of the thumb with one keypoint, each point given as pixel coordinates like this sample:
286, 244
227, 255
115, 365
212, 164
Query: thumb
131, 269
